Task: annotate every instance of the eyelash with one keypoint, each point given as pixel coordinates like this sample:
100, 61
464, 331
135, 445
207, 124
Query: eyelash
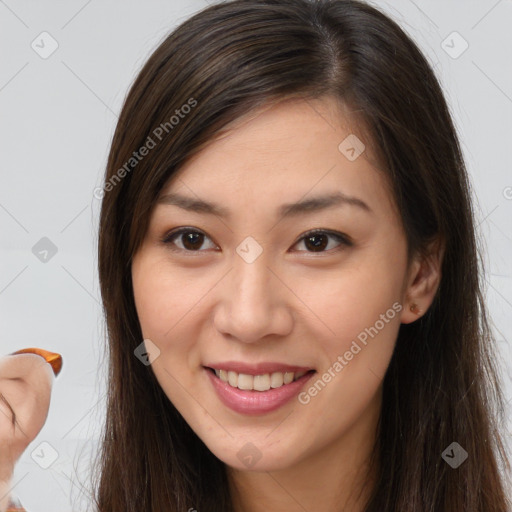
344, 240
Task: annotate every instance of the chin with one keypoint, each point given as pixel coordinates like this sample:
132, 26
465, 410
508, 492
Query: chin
255, 455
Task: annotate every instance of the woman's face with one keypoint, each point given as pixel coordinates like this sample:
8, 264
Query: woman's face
248, 289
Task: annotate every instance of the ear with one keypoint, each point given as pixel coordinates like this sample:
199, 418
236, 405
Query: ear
423, 280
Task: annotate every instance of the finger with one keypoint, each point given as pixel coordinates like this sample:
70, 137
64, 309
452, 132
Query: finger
26, 382
10, 411
20, 366
25, 389
54, 358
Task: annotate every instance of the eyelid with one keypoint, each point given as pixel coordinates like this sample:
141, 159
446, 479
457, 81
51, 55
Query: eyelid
166, 239
344, 239
341, 237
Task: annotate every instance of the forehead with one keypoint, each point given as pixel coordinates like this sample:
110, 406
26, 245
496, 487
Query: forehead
289, 150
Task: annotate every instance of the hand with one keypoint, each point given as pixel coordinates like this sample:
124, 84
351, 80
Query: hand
26, 382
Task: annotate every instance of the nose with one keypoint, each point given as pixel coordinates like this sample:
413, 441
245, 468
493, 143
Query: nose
253, 302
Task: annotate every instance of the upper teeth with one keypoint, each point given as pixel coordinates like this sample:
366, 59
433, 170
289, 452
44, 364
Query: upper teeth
258, 382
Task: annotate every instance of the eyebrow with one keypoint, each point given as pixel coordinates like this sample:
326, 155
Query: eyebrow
313, 204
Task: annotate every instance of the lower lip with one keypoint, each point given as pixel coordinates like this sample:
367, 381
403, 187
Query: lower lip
256, 402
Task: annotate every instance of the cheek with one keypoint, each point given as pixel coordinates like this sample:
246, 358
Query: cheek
359, 307
362, 310
164, 296
165, 300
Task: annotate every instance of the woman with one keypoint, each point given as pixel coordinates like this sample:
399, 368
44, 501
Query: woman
289, 272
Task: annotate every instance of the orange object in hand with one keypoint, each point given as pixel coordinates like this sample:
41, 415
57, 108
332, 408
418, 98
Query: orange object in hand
54, 359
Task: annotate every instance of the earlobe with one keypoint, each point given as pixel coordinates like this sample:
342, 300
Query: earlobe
424, 281
414, 308
412, 312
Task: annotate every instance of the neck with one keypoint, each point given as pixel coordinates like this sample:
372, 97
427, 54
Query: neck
336, 478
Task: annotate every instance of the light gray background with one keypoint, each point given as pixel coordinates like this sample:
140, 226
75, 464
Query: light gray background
57, 118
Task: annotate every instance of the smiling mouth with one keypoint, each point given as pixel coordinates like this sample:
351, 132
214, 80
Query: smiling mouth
263, 382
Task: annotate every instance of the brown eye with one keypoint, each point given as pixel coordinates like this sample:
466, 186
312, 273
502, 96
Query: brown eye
318, 241
190, 239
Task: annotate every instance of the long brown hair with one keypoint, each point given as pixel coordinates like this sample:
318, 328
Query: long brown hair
441, 385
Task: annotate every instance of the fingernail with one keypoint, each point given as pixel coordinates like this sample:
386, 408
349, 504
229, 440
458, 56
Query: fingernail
54, 359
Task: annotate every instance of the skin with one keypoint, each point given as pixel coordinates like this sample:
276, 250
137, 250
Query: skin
290, 305
26, 382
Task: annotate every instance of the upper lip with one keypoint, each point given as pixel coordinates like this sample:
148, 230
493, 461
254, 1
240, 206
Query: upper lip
257, 368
